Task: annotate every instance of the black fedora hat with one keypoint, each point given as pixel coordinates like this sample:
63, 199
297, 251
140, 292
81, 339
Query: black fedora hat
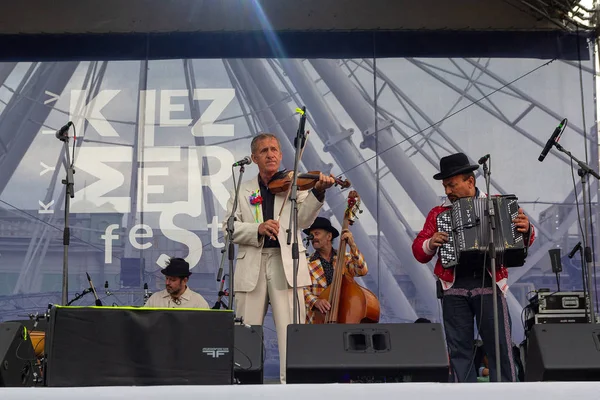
177, 267
454, 164
323, 223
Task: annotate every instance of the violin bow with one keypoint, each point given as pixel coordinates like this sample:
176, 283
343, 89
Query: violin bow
289, 191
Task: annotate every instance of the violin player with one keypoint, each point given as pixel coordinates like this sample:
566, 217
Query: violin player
264, 265
321, 263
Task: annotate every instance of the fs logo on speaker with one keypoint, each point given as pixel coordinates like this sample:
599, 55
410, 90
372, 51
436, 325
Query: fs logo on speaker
215, 352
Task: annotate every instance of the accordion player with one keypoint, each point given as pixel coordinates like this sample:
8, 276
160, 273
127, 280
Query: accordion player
467, 226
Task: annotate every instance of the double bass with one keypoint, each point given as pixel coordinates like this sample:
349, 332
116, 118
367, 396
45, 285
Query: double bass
350, 302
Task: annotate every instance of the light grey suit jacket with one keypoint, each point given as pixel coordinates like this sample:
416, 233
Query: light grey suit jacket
250, 244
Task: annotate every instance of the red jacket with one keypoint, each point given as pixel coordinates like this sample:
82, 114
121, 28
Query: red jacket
423, 254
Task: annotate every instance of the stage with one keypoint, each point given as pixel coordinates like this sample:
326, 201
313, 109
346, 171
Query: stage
422, 391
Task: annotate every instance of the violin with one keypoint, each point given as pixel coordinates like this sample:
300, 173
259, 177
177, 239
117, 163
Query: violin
282, 181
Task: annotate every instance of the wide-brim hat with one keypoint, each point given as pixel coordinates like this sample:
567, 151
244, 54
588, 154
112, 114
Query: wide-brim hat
454, 164
178, 268
323, 223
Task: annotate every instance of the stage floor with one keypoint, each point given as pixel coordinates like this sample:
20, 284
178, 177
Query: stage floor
421, 391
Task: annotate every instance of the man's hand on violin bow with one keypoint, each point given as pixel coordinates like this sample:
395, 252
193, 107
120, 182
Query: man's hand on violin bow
325, 182
269, 228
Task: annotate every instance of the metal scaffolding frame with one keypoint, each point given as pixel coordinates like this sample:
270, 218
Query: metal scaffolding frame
569, 15
349, 158
138, 158
20, 123
257, 84
257, 70
494, 109
208, 200
40, 240
17, 126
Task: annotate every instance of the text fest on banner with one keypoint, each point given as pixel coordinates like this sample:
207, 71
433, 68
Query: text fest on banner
98, 160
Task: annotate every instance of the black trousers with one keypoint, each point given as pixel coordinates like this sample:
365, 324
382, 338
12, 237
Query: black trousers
468, 301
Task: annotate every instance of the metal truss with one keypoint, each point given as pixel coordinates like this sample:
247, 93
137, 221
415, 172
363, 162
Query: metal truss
268, 92
569, 15
348, 157
41, 237
343, 93
422, 128
254, 81
208, 199
23, 115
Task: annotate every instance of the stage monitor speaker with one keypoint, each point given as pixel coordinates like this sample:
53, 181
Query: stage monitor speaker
130, 346
17, 359
563, 352
248, 355
341, 353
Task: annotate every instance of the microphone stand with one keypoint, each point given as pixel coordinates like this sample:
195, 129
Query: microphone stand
583, 279
78, 296
147, 294
220, 303
69, 194
229, 239
492, 249
97, 300
293, 223
583, 172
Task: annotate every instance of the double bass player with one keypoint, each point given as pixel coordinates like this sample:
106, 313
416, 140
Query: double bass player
321, 264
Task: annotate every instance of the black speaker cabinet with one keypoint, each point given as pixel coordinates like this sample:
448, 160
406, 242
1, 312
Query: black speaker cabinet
340, 353
17, 358
129, 346
563, 352
248, 355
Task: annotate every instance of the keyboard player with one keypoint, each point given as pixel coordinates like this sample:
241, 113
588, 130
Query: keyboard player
466, 291
177, 294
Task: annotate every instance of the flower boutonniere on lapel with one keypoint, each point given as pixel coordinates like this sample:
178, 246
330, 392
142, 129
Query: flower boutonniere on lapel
256, 200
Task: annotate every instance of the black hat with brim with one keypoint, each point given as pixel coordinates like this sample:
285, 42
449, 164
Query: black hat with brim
178, 268
454, 164
323, 223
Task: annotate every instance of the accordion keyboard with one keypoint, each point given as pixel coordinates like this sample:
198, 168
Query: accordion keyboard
467, 226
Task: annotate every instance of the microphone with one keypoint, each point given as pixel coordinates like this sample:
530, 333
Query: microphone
483, 159
61, 134
553, 139
98, 302
575, 249
301, 134
244, 161
308, 238
555, 260
240, 321
146, 293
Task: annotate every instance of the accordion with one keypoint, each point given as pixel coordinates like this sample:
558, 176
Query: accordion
467, 226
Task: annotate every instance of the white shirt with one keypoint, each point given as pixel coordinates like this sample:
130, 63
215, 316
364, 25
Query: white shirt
188, 299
